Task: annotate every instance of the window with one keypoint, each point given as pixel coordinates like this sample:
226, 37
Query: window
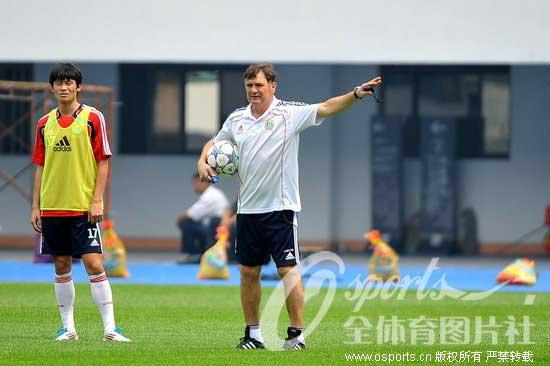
167, 103
477, 96
170, 109
202, 107
17, 119
496, 112
166, 131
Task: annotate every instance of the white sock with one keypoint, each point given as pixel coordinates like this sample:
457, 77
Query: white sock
64, 293
103, 297
256, 333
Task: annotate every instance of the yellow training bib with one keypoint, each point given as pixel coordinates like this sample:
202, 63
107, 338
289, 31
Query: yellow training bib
70, 169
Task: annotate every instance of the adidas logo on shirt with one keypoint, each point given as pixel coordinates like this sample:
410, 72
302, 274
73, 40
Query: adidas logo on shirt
289, 256
63, 145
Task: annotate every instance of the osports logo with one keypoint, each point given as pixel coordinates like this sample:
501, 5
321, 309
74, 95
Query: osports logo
63, 145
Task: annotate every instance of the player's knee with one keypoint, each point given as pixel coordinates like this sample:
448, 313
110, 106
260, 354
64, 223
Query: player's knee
284, 271
94, 266
95, 269
62, 269
62, 264
250, 273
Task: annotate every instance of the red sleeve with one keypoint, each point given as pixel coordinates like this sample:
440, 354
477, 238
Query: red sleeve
39, 151
100, 143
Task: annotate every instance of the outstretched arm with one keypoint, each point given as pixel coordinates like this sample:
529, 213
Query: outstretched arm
340, 103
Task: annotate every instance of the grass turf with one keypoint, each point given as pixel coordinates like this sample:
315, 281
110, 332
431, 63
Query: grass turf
185, 325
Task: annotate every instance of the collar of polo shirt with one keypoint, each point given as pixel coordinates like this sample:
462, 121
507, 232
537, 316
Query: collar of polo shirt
248, 111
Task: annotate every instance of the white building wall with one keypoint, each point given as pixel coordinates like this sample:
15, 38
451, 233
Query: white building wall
357, 31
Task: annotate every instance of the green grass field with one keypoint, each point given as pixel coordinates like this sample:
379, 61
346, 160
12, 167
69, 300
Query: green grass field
180, 325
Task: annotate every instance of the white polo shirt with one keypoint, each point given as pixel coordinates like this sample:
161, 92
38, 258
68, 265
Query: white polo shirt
211, 203
268, 149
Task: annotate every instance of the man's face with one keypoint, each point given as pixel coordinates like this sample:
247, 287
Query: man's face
259, 91
65, 91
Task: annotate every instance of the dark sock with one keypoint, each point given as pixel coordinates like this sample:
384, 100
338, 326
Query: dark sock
293, 332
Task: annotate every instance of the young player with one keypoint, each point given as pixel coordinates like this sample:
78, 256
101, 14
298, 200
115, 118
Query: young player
266, 133
72, 154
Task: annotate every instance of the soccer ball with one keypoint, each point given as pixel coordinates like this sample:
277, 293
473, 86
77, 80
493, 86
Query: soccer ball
223, 157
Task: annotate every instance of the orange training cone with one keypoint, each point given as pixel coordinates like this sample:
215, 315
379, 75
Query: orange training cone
114, 252
383, 264
213, 263
519, 272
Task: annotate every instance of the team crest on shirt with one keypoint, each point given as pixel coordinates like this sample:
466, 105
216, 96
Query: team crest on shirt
240, 129
76, 128
269, 124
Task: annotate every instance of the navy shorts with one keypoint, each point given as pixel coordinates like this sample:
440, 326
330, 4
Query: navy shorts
70, 236
267, 235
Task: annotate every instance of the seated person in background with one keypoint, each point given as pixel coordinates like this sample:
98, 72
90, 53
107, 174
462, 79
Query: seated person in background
228, 220
198, 224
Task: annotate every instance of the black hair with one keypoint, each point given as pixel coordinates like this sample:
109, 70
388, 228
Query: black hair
65, 71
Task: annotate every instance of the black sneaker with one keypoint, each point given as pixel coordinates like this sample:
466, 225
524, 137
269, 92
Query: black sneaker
293, 342
248, 342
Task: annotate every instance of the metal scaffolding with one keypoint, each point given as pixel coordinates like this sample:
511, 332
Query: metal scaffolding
39, 100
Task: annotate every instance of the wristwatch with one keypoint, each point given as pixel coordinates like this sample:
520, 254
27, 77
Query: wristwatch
355, 92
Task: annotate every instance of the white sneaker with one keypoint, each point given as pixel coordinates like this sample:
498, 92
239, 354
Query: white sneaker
115, 336
64, 334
